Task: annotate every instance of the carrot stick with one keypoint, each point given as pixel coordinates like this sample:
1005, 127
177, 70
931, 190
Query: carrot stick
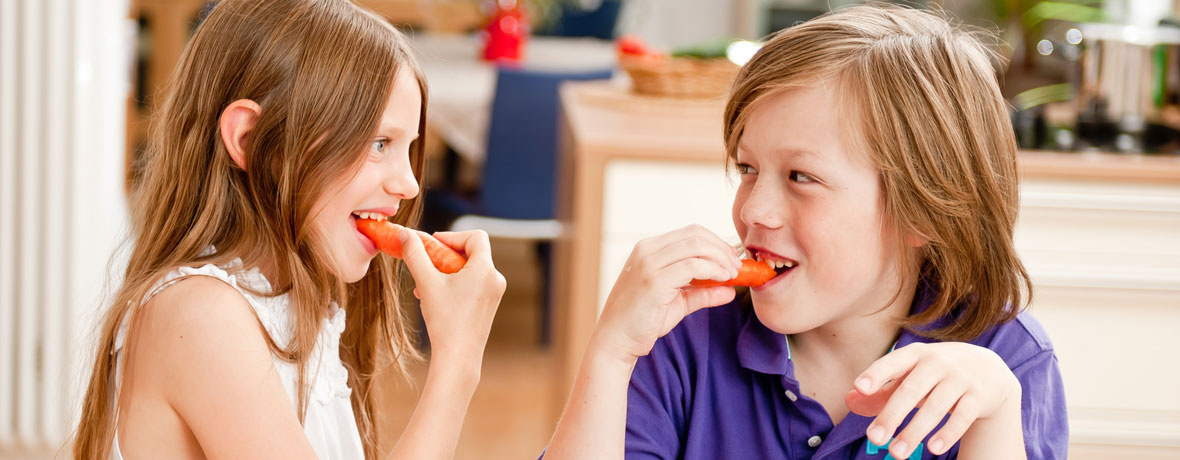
752, 273
384, 236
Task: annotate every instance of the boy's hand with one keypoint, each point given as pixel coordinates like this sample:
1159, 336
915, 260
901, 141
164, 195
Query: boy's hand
969, 382
652, 294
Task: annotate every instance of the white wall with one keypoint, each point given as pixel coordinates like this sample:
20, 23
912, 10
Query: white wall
669, 24
64, 78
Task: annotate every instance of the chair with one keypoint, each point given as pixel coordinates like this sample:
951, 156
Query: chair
516, 196
578, 21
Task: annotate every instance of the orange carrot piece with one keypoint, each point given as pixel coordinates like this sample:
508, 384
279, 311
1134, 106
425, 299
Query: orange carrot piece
752, 273
384, 236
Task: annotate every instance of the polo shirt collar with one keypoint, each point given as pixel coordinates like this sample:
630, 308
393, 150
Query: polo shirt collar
765, 351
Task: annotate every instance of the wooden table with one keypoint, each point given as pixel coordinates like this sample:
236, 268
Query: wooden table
1095, 229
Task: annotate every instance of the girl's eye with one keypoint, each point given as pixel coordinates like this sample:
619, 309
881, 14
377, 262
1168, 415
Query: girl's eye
743, 169
801, 177
379, 147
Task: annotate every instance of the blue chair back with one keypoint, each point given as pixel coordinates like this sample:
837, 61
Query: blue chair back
598, 23
520, 171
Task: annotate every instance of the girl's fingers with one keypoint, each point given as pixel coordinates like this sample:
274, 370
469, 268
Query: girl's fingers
962, 416
936, 407
414, 255
909, 393
475, 244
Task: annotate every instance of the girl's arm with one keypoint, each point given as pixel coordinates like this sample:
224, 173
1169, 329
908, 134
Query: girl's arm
458, 310
199, 348
651, 296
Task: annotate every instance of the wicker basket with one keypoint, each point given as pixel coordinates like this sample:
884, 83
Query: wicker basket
680, 77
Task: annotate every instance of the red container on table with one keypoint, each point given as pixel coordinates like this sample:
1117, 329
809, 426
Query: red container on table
506, 33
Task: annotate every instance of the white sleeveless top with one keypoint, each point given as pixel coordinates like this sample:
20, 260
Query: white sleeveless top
329, 422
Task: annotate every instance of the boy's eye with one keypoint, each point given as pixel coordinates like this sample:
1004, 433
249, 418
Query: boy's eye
800, 177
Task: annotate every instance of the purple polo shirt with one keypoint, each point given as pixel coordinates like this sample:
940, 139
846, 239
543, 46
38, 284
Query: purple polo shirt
721, 385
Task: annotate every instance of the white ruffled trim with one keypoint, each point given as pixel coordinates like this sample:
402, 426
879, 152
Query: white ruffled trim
328, 378
331, 375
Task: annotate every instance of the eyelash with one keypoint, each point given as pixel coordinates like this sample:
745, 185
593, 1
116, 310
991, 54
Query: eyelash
379, 152
795, 176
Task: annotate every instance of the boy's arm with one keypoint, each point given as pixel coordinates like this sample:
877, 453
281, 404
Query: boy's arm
594, 422
1041, 420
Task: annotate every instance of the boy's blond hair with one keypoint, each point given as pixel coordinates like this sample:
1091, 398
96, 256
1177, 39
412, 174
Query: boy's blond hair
920, 98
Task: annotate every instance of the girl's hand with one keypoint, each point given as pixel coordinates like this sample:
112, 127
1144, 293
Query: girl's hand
653, 294
969, 382
458, 308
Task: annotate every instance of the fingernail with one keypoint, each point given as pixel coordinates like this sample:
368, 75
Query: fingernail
403, 235
901, 448
864, 384
877, 435
935, 446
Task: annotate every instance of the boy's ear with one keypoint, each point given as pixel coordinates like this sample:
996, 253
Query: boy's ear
237, 120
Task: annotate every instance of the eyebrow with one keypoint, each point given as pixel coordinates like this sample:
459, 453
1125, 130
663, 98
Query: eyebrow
395, 131
788, 150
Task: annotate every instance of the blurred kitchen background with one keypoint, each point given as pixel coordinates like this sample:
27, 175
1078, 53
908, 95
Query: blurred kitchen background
570, 129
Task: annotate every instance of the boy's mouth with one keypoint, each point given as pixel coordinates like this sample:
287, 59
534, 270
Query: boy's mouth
779, 263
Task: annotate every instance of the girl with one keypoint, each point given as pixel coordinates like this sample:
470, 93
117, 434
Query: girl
286, 121
878, 176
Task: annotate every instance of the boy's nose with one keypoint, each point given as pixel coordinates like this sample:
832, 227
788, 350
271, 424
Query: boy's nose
763, 207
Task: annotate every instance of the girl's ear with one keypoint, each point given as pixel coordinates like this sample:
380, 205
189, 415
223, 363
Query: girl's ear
237, 120
916, 240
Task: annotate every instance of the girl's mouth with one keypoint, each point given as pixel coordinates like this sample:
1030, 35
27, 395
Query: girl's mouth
365, 242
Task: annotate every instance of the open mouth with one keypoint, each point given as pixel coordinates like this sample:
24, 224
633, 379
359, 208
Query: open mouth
368, 244
780, 264
369, 215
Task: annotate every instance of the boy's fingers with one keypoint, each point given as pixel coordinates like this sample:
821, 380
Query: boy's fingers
698, 298
889, 367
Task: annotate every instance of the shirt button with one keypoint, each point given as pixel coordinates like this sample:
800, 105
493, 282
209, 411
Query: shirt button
814, 441
792, 396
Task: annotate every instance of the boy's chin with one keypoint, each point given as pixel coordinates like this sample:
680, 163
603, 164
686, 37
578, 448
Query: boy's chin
778, 318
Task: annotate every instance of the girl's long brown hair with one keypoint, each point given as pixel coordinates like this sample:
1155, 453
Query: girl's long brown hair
919, 96
322, 71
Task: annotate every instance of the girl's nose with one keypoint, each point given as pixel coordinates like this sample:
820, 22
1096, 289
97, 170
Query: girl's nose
400, 181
